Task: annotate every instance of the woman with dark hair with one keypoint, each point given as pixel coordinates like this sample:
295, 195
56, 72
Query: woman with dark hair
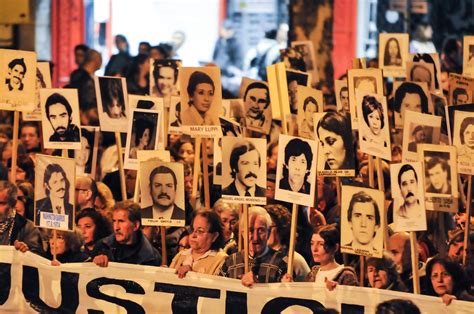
183, 150
335, 135
113, 102
392, 55
372, 111
66, 247
446, 279
83, 157
143, 136
25, 200
201, 91
381, 273
93, 227
138, 75
410, 96
206, 240
25, 170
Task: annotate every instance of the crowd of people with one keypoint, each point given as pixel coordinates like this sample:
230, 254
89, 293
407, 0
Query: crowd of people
108, 228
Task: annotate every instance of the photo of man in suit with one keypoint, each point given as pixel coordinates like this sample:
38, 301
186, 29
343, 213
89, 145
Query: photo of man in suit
59, 113
56, 185
245, 164
256, 102
163, 184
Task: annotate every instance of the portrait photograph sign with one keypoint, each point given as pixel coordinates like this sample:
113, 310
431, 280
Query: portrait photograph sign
112, 103
17, 80
143, 134
369, 80
293, 79
413, 96
374, 129
461, 89
201, 101
257, 108
441, 183
422, 72
362, 221
60, 118
296, 170
244, 176
86, 157
336, 145
155, 104
419, 128
306, 50
393, 54
162, 193
164, 77
310, 101
431, 58
43, 80
342, 95
54, 192
468, 56
463, 140
450, 117
408, 192
174, 118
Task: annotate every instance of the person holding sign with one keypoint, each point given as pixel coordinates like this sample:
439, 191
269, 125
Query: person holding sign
201, 95
297, 166
59, 114
16, 74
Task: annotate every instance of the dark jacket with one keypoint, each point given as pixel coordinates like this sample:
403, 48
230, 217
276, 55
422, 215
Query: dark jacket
232, 190
44, 205
25, 231
178, 212
285, 185
69, 257
71, 135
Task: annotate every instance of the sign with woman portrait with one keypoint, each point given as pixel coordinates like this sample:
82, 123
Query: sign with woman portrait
419, 129
422, 72
162, 193
336, 145
296, 170
17, 80
54, 192
362, 221
43, 80
86, 157
441, 183
155, 104
407, 182
374, 130
468, 56
393, 54
310, 101
257, 109
143, 134
112, 103
201, 101
60, 118
463, 140
164, 77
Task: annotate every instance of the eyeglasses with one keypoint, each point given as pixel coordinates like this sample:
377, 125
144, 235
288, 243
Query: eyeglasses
198, 232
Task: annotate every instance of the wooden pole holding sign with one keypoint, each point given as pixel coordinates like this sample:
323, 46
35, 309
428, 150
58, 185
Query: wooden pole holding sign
16, 125
381, 185
291, 250
414, 263
55, 239
205, 166
164, 254
246, 238
118, 142
468, 220
239, 236
196, 170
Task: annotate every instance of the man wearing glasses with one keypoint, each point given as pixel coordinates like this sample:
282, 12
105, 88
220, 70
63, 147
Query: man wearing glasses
86, 193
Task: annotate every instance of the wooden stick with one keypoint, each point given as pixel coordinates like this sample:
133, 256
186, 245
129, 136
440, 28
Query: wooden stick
282, 93
468, 220
362, 271
338, 191
414, 263
291, 249
118, 142
55, 239
166, 112
239, 236
381, 186
246, 237
205, 160
371, 171
16, 125
136, 192
164, 254
196, 170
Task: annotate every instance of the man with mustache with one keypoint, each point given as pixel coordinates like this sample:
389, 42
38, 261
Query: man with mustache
163, 183
411, 208
245, 165
59, 113
256, 102
56, 185
16, 74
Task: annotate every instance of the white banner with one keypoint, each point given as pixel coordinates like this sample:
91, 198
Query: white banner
28, 282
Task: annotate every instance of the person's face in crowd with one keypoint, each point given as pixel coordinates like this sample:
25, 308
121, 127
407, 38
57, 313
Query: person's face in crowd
461, 99
145, 139
4, 208
270, 190
469, 136
273, 159
393, 49
363, 223
441, 280
320, 255
165, 82
378, 278
201, 239
255, 102
411, 101
188, 184
123, 227
186, 151
258, 235
81, 156
311, 108
293, 94
345, 100
203, 97
183, 244
396, 245
173, 138
59, 118
333, 148
29, 137
163, 190
130, 179
20, 205
409, 187
122, 45
16, 74
79, 57
115, 108
297, 169
7, 152
438, 177
57, 185
420, 136
87, 227
366, 85
455, 251
422, 74
248, 167
228, 221
59, 247
375, 122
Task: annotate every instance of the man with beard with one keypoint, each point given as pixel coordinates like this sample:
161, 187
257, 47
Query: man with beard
296, 169
16, 74
256, 101
163, 184
59, 113
56, 185
165, 74
408, 182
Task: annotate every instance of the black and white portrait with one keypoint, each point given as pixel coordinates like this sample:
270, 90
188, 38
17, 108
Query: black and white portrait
43, 80
164, 77
230, 127
162, 193
112, 100
468, 56
54, 192
256, 98
362, 221
143, 134
243, 170
296, 170
86, 157
293, 79
310, 101
306, 50
410, 96
463, 140
293, 59
421, 72
419, 129
393, 53
460, 96
201, 96
155, 104
431, 58
407, 182
342, 95
60, 111
174, 119
461, 89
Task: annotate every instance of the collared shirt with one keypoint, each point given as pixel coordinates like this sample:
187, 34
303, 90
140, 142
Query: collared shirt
166, 214
58, 206
242, 189
189, 261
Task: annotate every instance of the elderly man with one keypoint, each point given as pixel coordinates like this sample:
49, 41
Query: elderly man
265, 264
127, 244
14, 228
86, 192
